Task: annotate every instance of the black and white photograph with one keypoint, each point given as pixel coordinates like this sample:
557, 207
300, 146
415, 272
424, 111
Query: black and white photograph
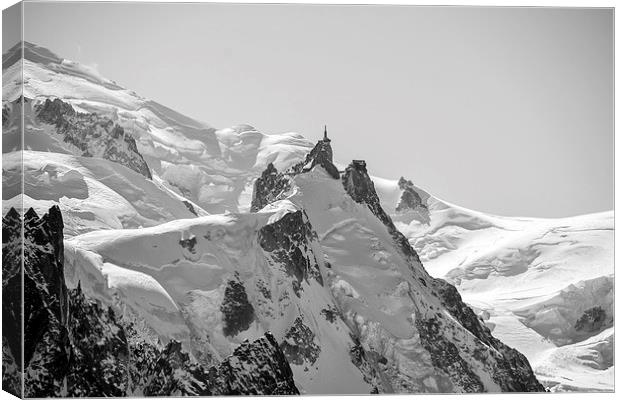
213, 199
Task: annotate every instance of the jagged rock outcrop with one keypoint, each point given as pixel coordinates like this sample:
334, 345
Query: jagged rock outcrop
273, 185
237, 312
75, 347
91, 135
12, 302
288, 240
254, 368
46, 308
269, 187
257, 368
322, 155
360, 187
98, 361
173, 374
299, 345
72, 345
409, 199
411, 202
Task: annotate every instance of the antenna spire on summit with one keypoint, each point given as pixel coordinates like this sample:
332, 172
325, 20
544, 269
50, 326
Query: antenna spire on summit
325, 138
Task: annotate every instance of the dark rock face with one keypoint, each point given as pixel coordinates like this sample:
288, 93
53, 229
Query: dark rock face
288, 241
410, 200
144, 350
46, 308
258, 368
93, 135
511, 371
269, 187
12, 246
445, 356
591, 320
75, 347
98, 362
72, 346
298, 345
173, 374
321, 155
236, 309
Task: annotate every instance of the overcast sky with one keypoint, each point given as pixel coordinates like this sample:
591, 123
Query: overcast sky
503, 110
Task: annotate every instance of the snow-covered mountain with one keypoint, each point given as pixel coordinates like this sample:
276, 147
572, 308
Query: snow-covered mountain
209, 167
207, 238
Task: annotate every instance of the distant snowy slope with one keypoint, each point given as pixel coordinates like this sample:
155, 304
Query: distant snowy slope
531, 278
207, 166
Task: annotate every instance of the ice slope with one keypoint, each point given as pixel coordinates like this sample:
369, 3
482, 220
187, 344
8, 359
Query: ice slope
531, 278
92, 193
207, 166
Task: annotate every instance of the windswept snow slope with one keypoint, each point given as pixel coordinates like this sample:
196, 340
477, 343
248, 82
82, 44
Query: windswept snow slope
209, 167
177, 276
531, 278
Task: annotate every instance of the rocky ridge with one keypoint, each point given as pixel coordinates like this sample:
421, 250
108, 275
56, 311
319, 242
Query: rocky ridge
91, 135
270, 186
